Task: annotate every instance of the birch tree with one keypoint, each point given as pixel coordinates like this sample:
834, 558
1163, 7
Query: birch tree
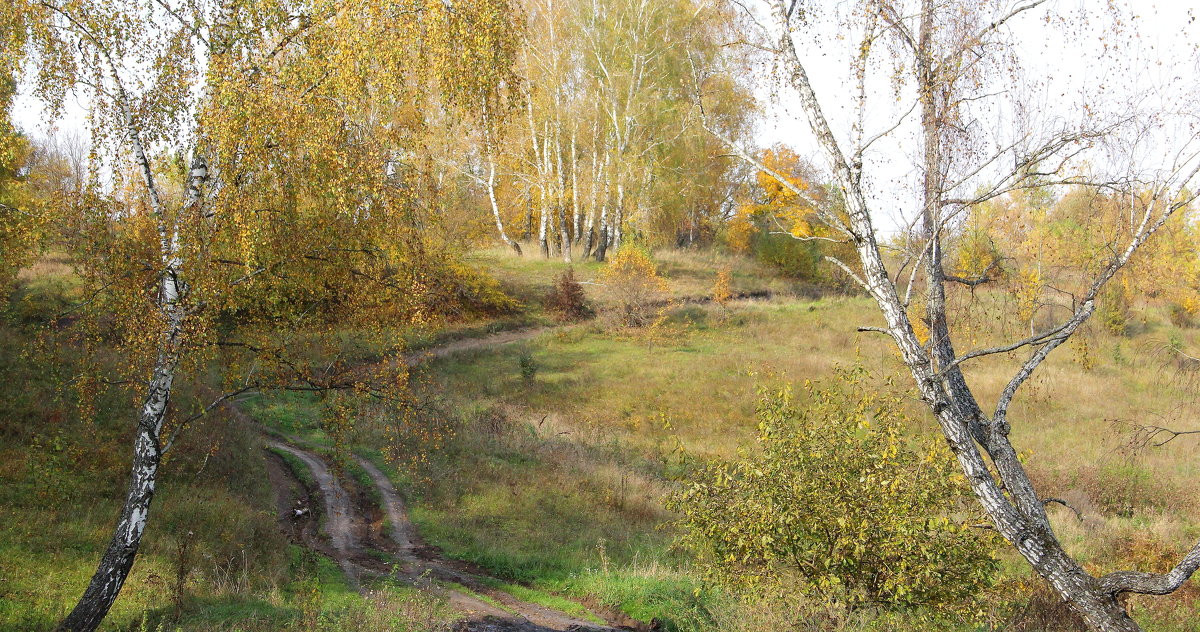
607, 139
953, 64
293, 126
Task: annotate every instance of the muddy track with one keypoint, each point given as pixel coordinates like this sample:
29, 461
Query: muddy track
414, 562
338, 510
421, 565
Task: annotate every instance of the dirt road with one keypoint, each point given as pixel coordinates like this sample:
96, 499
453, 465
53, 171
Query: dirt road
418, 564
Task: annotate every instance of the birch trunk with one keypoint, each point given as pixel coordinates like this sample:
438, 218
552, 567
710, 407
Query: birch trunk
602, 238
118, 558
545, 245
1018, 515
564, 236
618, 214
491, 189
576, 211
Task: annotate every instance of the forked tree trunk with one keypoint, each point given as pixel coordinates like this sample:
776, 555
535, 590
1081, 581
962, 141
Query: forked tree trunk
118, 558
564, 236
602, 237
1006, 493
594, 202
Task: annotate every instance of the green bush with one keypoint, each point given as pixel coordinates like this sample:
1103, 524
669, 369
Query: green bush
1113, 310
528, 366
799, 259
838, 502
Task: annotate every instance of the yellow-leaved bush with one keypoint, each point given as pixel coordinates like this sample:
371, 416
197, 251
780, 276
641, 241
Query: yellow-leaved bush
632, 283
837, 501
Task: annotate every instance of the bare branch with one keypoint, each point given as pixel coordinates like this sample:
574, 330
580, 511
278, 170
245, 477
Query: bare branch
977, 281
204, 411
850, 273
1078, 514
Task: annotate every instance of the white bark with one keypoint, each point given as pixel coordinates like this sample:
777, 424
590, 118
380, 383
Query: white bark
1010, 500
118, 558
491, 189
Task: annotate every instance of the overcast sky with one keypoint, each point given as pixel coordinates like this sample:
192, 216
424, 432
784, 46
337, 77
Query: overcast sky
1153, 58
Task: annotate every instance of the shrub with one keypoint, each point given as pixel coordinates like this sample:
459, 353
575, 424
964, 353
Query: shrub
529, 367
838, 503
567, 300
1114, 309
795, 258
633, 284
722, 289
1181, 314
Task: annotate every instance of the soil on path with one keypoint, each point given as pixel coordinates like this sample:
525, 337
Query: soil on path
468, 344
418, 564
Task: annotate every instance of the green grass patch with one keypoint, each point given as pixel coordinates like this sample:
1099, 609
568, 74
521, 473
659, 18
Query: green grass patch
649, 592
291, 412
543, 598
298, 468
488, 599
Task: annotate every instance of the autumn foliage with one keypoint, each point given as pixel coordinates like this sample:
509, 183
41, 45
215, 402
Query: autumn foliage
633, 284
1039, 248
783, 228
835, 501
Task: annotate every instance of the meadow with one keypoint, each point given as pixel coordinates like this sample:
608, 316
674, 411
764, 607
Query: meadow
546, 461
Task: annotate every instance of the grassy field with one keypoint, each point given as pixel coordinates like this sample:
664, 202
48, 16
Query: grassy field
546, 461
612, 417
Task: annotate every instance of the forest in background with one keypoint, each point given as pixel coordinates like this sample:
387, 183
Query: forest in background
278, 209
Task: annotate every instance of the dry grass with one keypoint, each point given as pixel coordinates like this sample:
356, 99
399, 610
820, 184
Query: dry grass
694, 390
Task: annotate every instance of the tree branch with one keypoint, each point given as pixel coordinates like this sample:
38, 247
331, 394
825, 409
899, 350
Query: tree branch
1153, 583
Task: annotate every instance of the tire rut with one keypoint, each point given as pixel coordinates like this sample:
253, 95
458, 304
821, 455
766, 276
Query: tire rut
422, 566
467, 344
337, 525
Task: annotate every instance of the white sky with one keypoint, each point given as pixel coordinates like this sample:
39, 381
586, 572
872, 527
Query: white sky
1065, 71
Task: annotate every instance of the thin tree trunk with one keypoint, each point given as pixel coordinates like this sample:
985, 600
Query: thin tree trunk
618, 214
491, 189
118, 558
603, 237
1015, 509
545, 245
577, 213
594, 201
528, 214
564, 236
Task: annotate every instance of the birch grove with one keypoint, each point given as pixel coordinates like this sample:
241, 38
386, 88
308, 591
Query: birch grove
609, 143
